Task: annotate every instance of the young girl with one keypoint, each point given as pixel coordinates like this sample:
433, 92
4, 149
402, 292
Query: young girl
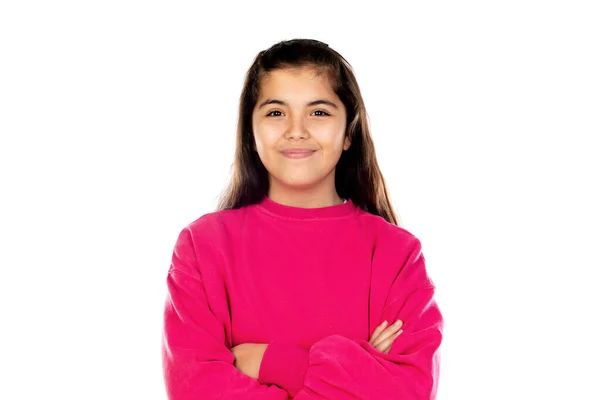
301, 285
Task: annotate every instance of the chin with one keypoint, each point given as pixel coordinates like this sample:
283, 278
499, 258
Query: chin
299, 178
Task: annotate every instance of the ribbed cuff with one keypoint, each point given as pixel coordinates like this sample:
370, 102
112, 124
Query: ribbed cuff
284, 365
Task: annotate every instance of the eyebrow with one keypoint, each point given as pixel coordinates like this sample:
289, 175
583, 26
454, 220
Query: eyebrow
312, 103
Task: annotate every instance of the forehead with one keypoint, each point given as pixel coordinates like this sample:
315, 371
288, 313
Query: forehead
292, 82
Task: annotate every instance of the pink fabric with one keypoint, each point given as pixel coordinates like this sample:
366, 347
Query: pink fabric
313, 284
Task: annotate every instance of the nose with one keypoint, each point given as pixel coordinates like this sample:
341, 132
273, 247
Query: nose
297, 129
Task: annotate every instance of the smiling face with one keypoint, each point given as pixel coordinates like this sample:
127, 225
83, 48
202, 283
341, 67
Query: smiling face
297, 109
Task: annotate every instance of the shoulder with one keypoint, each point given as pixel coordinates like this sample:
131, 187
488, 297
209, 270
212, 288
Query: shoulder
393, 246
215, 223
387, 234
397, 252
209, 234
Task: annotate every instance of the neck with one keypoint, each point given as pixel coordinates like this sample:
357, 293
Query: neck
323, 195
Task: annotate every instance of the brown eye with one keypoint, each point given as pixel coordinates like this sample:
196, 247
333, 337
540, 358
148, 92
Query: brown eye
321, 111
274, 111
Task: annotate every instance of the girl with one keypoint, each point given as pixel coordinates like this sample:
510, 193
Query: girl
302, 284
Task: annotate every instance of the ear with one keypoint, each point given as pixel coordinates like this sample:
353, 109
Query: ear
347, 142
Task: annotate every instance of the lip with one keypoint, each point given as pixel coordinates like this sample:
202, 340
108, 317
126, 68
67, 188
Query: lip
297, 153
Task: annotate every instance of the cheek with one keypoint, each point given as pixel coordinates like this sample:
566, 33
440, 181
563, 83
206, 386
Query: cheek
267, 134
267, 151
264, 141
334, 146
331, 136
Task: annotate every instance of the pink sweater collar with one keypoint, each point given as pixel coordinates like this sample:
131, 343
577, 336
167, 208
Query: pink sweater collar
291, 212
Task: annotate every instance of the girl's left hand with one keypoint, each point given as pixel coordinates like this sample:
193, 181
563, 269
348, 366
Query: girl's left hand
248, 357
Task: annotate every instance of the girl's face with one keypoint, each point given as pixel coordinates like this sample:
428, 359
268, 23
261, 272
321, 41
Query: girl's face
297, 109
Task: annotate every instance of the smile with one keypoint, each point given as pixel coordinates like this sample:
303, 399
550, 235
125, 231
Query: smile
298, 153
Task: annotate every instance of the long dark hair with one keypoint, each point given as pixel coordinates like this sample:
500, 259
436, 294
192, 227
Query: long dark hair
357, 174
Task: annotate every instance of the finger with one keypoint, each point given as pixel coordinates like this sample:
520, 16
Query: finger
388, 342
391, 330
377, 331
388, 348
385, 336
381, 334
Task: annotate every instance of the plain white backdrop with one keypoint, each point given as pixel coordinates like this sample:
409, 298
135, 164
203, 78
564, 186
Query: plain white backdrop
117, 124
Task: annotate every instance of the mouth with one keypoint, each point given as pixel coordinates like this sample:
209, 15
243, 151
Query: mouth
297, 153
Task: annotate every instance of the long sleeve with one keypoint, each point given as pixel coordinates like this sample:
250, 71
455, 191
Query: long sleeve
339, 368
197, 364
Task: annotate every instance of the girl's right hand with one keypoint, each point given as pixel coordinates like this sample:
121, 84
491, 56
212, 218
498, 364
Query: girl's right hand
383, 338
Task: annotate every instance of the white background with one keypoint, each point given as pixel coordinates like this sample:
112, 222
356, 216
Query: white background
117, 123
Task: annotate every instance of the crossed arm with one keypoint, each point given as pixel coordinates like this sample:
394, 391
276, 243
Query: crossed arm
198, 364
248, 356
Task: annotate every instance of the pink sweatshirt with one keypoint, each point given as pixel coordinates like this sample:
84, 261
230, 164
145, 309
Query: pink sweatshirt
313, 284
